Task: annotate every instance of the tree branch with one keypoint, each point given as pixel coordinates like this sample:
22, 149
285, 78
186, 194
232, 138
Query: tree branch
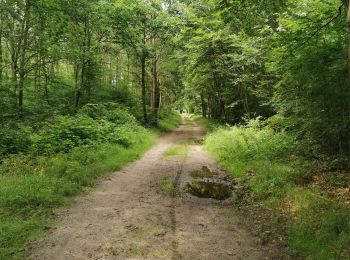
322, 27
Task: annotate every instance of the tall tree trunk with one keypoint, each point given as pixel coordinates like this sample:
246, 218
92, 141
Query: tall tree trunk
143, 74
81, 86
14, 69
1, 54
22, 57
160, 101
217, 82
155, 89
143, 85
204, 105
77, 86
347, 6
47, 89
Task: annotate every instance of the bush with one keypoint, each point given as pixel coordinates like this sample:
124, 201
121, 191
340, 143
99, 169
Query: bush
14, 139
109, 111
65, 133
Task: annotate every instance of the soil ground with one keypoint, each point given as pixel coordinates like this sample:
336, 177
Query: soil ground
129, 216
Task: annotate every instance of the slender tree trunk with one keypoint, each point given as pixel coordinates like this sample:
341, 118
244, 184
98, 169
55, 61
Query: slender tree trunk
128, 57
155, 89
221, 111
143, 85
204, 106
81, 71
14, 49
22, 58
82, 88
347, 6
160, 102
245, 96
47, 89
37, 74
14, 68
1, 53
77, 86
143, 74
222, 101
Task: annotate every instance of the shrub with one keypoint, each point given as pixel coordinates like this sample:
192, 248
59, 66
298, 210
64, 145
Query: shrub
109, 111
14, 139
68, 132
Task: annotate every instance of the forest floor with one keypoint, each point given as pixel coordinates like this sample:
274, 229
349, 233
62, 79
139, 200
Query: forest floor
139, 213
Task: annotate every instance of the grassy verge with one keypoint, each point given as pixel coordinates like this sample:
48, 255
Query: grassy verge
315, 223
32, 188
169, 121
209, 125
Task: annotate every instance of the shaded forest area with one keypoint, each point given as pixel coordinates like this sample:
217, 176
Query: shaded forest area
85, 84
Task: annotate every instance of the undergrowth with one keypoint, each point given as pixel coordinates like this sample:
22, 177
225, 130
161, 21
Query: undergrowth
63, 158
169, 121
317, 225
209, 125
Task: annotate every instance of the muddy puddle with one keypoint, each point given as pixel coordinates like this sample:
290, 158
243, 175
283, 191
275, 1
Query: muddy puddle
207, 184
209, 189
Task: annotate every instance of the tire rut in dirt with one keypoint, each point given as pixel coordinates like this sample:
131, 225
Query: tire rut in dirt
174, 242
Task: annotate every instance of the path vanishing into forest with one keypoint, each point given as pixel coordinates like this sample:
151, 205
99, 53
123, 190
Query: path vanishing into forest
128, 216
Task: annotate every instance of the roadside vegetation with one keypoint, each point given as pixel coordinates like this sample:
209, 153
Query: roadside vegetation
64, 157
41, 170
169, 121
209, 125
302, 201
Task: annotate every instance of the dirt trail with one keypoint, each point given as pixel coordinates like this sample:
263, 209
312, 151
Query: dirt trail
128, 216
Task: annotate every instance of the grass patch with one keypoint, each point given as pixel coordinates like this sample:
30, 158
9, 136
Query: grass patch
177, 150
316, 225
33, 187
167, 186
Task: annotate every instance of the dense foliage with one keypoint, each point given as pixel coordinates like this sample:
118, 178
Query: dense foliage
285, 58
223, 59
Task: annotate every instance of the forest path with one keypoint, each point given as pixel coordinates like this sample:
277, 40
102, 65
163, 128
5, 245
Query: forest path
128, 216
